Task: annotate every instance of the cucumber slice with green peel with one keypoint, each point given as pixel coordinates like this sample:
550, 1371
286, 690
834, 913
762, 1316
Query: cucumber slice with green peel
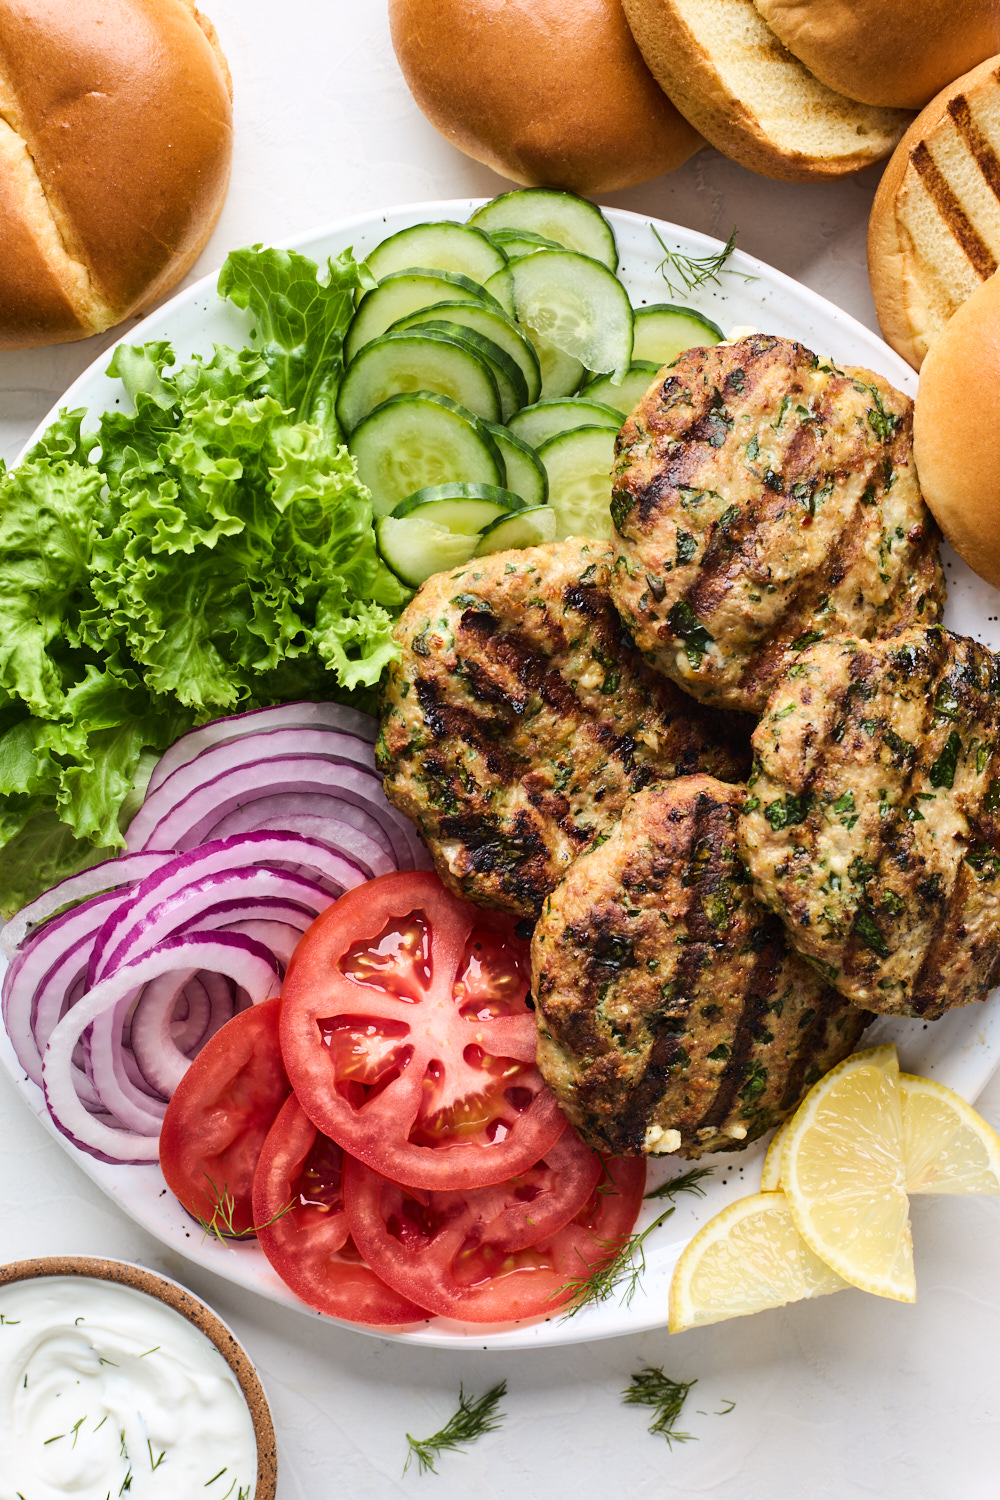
420, 360
577, 304
663, 331
561, 373
536, 424
412, 441
641, 374
511, 383
578, 464
491, 325
515, 242
446, 246
500, 287
525, 471
405, 292
415, 549
528, 528
559, 216
466, 508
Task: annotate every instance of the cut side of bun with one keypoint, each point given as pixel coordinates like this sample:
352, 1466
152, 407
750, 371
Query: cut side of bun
956, 431
890, 52
550, 93
934, 233
729, 74
115, 146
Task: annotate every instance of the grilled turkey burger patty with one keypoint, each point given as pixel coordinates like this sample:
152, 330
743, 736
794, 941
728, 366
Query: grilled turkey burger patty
672, 1014
764, 498
872, 821
520, 718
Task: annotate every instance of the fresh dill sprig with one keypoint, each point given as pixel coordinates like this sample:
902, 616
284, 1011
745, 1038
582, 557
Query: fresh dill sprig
687, 1182
221, 1223
154, 1464
650, 1387
693, 271
471, 1421
75, 1429
729, 1406
624, 1265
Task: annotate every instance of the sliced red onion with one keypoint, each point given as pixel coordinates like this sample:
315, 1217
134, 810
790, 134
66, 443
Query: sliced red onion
107, 1071
112, 874
244, 961
346, 828
244, 754
162, 1061
335, 716
279, 937
156, 912
184, 825
191, 1015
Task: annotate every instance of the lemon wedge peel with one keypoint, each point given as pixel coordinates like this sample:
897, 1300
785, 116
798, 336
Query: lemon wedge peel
770, 1177
843, 1175
947, 1146
746, 1259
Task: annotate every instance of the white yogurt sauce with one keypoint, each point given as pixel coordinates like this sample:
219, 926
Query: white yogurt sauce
105, 1391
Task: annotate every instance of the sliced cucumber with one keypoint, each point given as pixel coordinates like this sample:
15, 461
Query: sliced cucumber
525, 470
529, 528
421, 360
578, 464
412, 441
663, 331
559, 216
491, 325
468, 508
536, 424
500, 287
561, 373
624, 397
511, 383
514, 242
445, 246
415, 549
405, 292
577, 304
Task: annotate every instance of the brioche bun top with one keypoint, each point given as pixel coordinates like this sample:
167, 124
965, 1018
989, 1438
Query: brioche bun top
550, 93
956, 430
115, 145
889, 52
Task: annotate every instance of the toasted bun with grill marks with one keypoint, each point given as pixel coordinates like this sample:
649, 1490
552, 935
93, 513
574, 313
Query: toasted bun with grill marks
728, 73
549, 93
115, 145
890, 52
956, 431
934, 233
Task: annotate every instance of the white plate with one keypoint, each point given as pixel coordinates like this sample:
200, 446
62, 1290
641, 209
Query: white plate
961, 1050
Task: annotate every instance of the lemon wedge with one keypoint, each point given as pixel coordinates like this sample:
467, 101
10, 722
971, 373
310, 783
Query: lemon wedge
947, 1147
770, 1177
748, 1258
842, 1171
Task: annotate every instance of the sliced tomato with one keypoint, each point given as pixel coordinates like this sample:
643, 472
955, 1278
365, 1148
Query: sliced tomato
219, 1116
477, 1257
408, 1040
298, 1205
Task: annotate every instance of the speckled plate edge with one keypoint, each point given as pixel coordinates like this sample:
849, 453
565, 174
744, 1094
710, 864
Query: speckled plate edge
126, 1273
960, 1051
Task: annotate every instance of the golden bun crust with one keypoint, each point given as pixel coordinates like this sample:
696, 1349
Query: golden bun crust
956, 431
934, 232
550, 93
729, 74
891, 52
115, 158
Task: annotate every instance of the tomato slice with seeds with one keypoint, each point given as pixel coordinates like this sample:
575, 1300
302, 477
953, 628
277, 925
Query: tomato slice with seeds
407, 1036
219, 1116
298, 1205
479, 1257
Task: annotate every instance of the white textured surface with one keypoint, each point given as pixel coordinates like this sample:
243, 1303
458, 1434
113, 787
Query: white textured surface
847, 1397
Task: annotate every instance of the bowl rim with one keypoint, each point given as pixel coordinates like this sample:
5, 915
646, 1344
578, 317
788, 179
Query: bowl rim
195, 1311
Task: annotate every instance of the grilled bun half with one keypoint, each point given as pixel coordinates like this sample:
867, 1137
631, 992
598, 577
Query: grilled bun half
934, 232
729, 74
115, 145
546, 92
892, 52
956, 431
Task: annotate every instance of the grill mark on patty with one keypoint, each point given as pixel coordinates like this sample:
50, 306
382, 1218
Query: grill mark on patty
452, 720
